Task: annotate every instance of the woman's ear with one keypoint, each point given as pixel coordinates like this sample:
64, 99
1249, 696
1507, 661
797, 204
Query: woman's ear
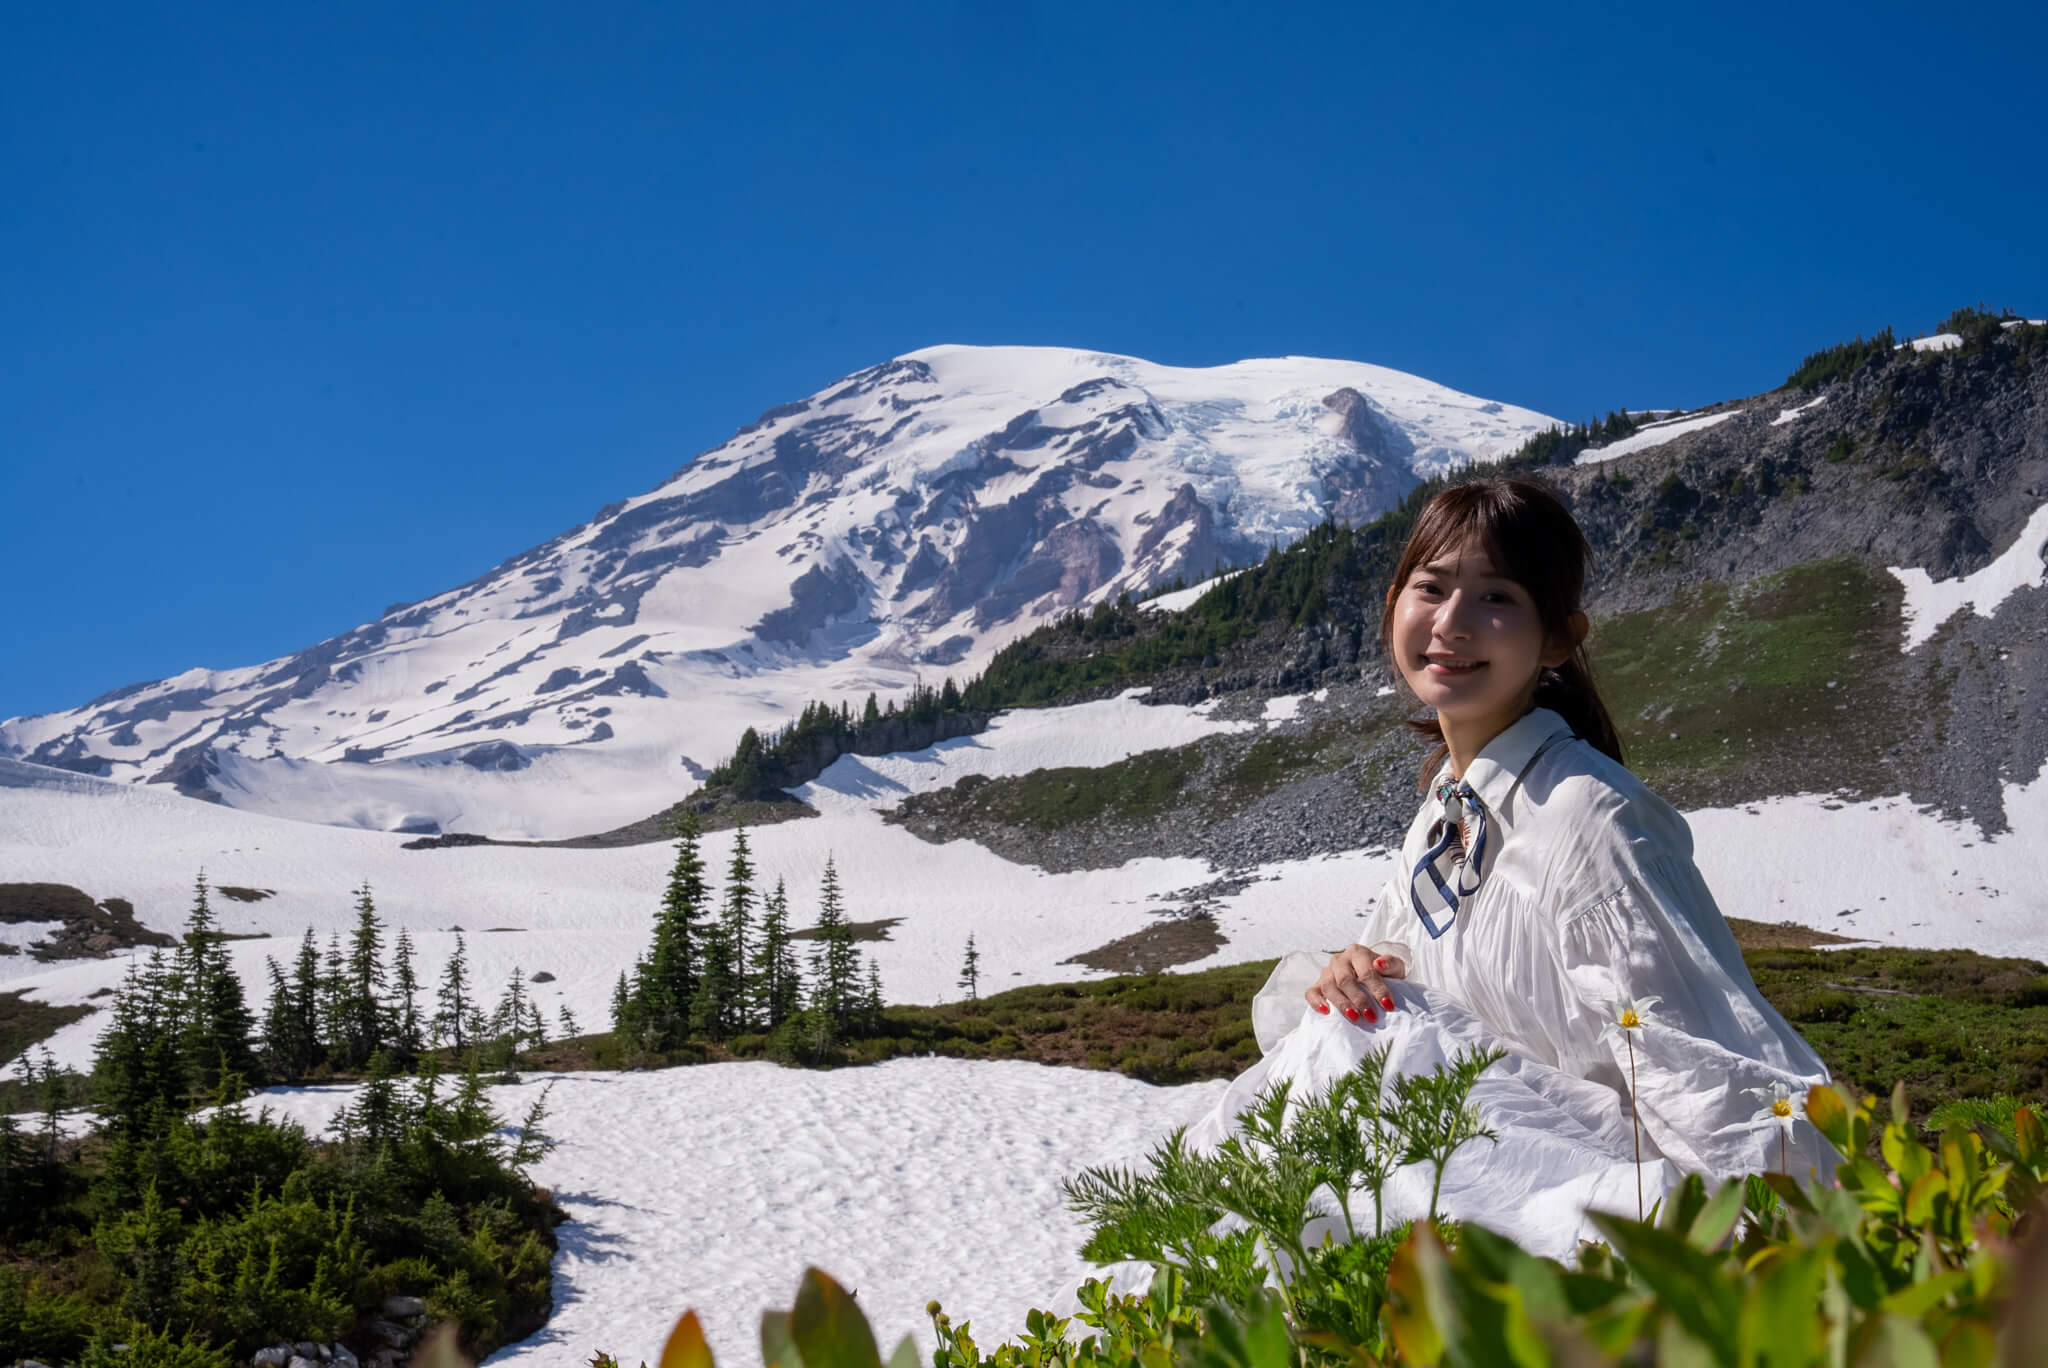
1576, 626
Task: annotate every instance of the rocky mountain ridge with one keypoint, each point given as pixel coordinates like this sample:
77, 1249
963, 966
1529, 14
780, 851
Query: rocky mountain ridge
1759, 630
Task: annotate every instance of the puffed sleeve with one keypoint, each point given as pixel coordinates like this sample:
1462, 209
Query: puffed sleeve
1713, 1052
1386, 923
1277, 1007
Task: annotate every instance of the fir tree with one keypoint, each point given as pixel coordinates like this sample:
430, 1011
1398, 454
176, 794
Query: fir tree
407, 1038
291, 1047
871, 1001
622, 1005
970, 971
835, 961
669, 987
454, 1007
20, 1190
215, 1020
334, 1005
139, 1071
509, 1021
306, 997
734, 1000
364, 1022
570, 1030
778, 989
715, 982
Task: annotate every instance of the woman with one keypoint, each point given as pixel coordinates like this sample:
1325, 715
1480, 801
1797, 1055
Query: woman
1544, 899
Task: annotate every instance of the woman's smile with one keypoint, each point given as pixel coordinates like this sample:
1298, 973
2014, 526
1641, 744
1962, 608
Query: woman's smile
1470, 643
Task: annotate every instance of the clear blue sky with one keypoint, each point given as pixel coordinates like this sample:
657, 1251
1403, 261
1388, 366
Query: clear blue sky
309, 308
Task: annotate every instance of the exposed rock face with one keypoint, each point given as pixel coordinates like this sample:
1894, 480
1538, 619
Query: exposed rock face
1358, 491
822, 596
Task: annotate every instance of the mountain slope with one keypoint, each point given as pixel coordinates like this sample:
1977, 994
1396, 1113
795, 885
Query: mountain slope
1837, 591
899, 525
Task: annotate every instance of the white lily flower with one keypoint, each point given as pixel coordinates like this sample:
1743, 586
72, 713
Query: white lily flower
1630, 1014
1781, 1107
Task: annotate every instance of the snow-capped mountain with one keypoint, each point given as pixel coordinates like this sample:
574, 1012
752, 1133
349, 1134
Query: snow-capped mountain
896, 527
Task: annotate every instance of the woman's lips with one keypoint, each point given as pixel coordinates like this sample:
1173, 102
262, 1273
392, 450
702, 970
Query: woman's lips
1445, 667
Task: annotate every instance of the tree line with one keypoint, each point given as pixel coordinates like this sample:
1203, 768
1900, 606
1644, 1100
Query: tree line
175, 1238
722, 966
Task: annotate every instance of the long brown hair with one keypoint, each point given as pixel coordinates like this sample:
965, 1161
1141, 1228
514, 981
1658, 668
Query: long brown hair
1531, 538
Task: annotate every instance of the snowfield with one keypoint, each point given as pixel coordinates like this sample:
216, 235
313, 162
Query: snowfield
1887, 872
714, 1187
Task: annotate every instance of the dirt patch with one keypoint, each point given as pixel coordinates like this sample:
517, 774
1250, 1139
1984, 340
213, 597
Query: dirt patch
90, 930
42, 902
25, 1024
1181, 940
245, 895
861, 931
1751, 935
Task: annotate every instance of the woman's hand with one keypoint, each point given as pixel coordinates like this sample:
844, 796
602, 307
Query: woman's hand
1355, 983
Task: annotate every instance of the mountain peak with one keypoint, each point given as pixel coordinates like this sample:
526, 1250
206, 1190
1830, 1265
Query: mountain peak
906, 520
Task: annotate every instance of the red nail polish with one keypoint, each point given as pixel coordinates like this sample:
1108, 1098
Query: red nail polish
1351, 1012
1379, 963
1387, 1003
1323, 1007
1371, 1015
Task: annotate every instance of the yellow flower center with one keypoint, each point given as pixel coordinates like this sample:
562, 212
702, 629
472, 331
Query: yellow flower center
1629, 1020
1782, 1107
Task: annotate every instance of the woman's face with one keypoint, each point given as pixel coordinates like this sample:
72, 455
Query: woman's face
1468, 640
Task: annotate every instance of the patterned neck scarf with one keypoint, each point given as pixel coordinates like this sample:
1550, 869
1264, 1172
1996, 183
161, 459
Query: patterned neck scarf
1444, 877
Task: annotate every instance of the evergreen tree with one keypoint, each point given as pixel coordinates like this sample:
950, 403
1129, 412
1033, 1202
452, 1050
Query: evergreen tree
871, 1001
508, 1022
570, 1030
778, 989
365, 1022
454, 1004
733, 1000
835, 960
668, 990
407, 1038
870, 714
334, 1005
20, 1190
291, 1047
215, 1021
139, 1071
622, 1006
970, 971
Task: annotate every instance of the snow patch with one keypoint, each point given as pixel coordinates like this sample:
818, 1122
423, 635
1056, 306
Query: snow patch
1931, 602
1789, 415
1283, 709
1182, 599
1656, 434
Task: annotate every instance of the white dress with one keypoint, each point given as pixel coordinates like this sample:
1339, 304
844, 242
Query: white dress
1587, 896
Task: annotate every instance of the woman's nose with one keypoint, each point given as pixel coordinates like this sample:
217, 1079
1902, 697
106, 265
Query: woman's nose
1453, 615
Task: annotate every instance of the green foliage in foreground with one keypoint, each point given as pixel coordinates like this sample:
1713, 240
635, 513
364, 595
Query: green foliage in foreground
200, 1240
1933, 1256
